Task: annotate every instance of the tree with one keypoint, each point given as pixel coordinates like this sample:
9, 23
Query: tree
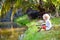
49, 6
1, 5
57, 4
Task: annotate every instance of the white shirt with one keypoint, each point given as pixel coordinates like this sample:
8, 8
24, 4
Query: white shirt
48, 24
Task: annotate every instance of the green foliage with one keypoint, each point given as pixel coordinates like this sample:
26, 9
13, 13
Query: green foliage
32, 29
16, 4
22, 20
56, 2
55, 21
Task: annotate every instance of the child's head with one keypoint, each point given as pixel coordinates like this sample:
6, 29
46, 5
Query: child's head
46, 17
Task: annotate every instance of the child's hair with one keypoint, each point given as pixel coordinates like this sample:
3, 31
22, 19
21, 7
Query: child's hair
45, 16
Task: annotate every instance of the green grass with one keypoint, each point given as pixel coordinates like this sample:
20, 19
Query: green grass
55, 21
45, 35
22, 20
32, 34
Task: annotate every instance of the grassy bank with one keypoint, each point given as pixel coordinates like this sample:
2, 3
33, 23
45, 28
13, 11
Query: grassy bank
32, 34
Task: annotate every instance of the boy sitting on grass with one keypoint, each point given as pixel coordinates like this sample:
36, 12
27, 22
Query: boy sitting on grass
47, 25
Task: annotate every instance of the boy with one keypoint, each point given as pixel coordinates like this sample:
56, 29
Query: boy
47, 25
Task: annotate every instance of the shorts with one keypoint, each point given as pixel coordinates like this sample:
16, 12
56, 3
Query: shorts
44, 27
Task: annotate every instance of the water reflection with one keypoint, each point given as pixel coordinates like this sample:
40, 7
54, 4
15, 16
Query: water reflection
8, 25
11, 31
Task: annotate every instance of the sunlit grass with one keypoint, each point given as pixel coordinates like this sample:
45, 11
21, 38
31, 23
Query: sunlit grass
32, 34
22, 20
